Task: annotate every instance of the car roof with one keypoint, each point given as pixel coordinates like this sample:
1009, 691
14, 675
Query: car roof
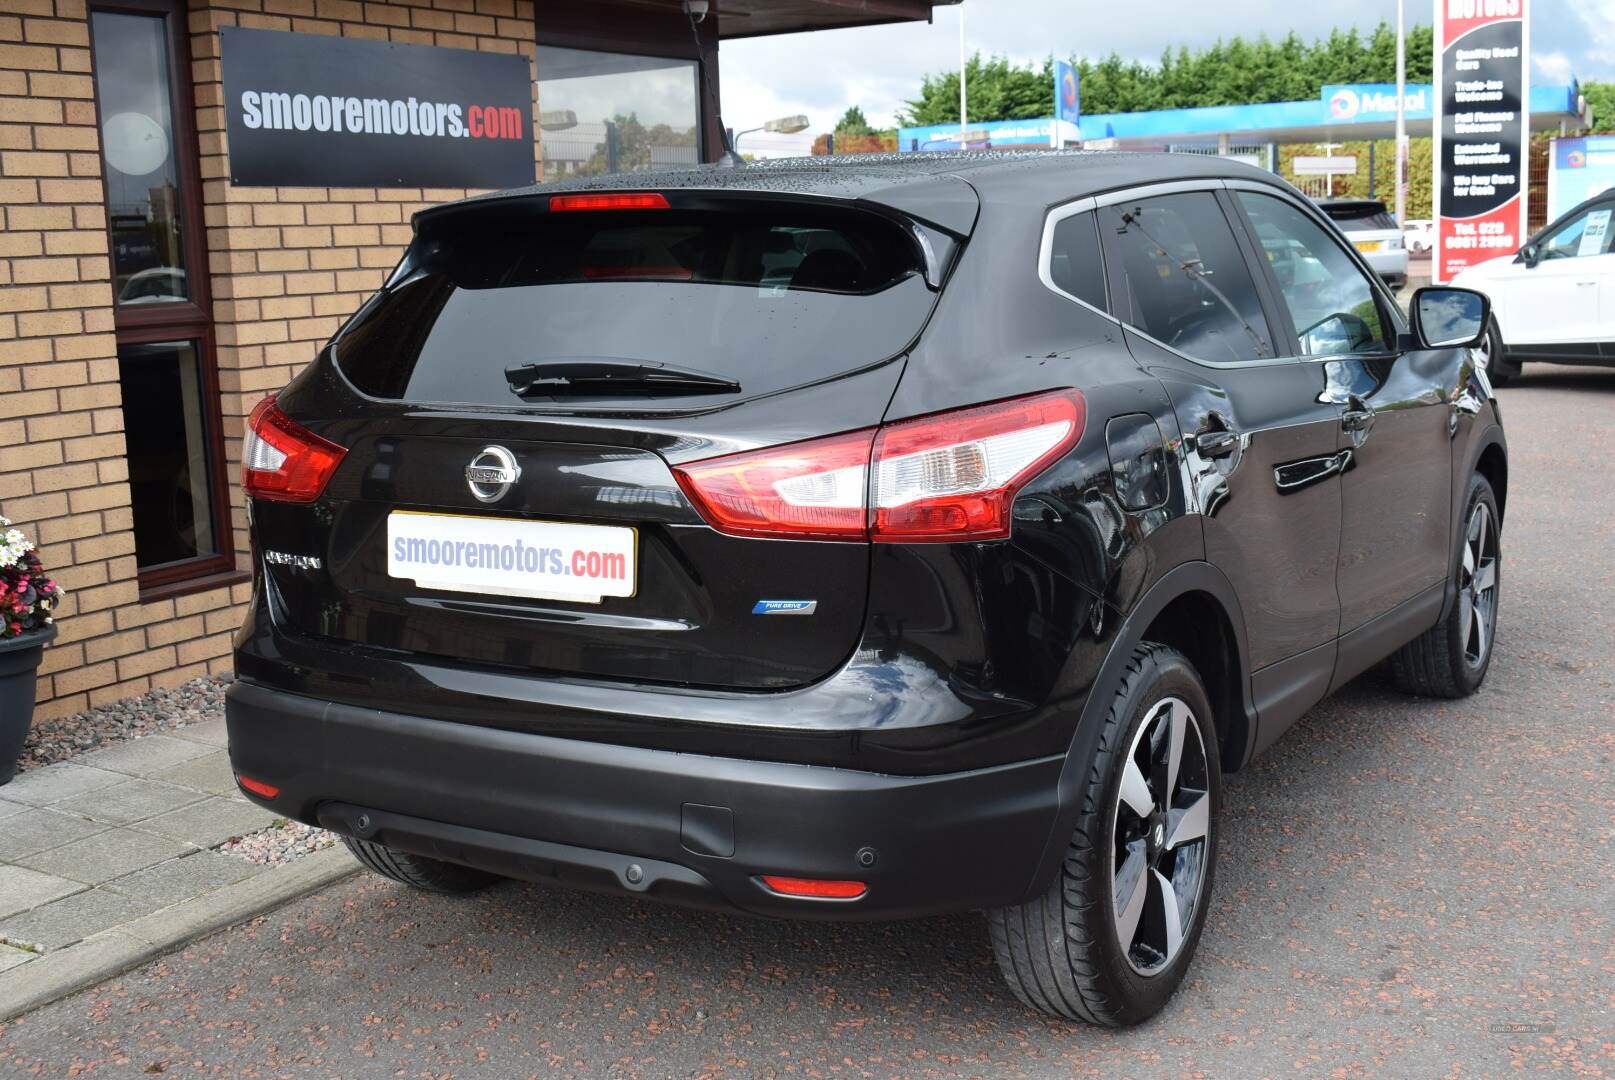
931, 186
1342, 202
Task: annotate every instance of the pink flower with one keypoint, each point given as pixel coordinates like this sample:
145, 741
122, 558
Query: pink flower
16, 628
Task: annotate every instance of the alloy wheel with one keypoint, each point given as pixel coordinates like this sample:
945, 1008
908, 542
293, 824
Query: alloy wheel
1477, 586
1163, 824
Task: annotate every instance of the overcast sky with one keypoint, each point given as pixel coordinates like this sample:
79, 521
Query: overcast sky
879, 67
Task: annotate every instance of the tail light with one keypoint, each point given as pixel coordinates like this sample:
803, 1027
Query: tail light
952, 476
810, 490
283, 461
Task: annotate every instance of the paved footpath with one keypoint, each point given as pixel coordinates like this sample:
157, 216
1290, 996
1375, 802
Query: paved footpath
1408, 889
111, 856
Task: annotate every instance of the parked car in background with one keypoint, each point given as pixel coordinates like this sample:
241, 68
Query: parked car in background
1419, 235
860, 540
1372, 230
1555, 298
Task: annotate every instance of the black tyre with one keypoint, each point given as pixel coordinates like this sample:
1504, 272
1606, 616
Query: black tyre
418, 871
1450, 659
1110, 939
1493, 357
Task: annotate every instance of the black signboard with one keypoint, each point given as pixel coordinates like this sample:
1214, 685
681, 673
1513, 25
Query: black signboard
311, 110
1481, 130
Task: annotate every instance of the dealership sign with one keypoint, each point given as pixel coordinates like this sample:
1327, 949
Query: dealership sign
1579, 168
1482, 131
312, 110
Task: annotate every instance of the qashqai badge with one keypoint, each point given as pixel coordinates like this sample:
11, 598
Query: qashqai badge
492, 473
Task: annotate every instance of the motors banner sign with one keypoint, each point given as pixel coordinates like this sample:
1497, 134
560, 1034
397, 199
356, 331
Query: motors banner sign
1482, 131
312, 110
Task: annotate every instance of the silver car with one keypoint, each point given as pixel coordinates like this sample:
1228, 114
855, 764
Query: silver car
1372, 230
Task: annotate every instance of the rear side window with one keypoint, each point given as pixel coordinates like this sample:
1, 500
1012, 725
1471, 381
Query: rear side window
1182, 278
1075, 265
767, 299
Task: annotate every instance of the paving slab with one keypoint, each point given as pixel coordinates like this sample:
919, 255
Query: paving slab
74, 918
39, 829
210, 773
146, 755
111, 951
9, 808
130, 801
53, 783
210, 822
22, 889
211, 732
106, 855
10, 958
178, 880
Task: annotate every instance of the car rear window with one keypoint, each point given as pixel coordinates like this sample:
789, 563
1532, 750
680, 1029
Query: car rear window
768, 299
1369, 217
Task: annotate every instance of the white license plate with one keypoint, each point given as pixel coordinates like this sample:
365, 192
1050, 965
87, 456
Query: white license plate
550, 560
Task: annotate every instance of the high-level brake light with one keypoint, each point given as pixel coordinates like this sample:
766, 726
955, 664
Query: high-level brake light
283, 461
637, 200
952, 476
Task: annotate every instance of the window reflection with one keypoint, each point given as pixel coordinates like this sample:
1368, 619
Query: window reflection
168, 451
137, 150
610, 112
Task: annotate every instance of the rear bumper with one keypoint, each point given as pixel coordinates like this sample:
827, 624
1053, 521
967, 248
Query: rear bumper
687, 828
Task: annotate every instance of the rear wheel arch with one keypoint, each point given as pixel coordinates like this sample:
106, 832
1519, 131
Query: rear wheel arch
1190, 591
1196, 624
1493, 465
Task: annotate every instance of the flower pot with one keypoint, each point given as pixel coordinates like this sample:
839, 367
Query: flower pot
19, 660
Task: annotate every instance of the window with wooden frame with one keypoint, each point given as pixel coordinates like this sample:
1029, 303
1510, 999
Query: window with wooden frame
167, 370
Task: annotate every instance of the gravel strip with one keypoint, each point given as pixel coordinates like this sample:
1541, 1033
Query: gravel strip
278, 843
51, 741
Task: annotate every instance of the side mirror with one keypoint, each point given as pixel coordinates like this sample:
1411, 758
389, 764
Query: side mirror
1530, 255
1449, 318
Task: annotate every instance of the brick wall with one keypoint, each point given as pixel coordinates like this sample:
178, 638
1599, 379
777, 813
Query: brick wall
62, 471
286, 265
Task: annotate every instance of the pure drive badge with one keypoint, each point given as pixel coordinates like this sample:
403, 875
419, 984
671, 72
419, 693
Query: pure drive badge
785, 607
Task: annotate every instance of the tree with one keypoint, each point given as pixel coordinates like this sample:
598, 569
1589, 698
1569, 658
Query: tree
1601, 96
852, 122
998, 90
1238, 71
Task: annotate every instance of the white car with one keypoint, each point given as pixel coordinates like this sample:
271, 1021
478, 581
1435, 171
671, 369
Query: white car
1420, 235
1555, 299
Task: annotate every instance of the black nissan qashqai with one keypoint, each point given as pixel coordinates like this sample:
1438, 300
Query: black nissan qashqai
860, 539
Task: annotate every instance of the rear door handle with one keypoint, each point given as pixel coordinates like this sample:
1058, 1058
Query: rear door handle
1299, 474
1215, 444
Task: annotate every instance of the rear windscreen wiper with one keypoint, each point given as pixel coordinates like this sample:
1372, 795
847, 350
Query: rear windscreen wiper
585, 376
